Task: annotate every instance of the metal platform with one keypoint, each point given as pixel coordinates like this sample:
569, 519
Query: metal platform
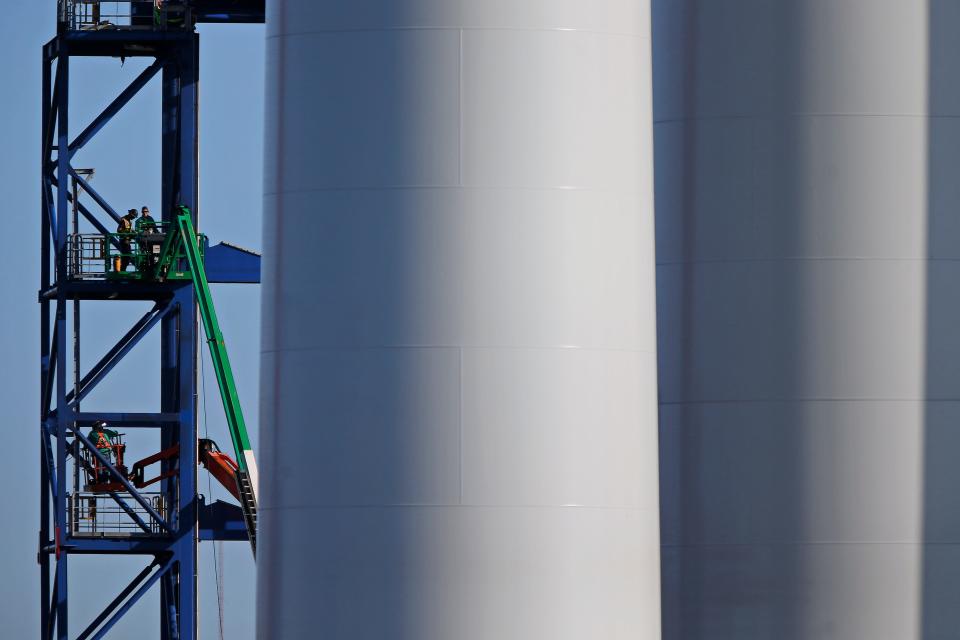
100, 515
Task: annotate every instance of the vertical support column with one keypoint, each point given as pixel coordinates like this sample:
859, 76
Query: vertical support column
180, 127
189, 170
170, 401
190, 127
63, 411
185, 585
170, 326
178, 342
72, 254
170, 81
43, 557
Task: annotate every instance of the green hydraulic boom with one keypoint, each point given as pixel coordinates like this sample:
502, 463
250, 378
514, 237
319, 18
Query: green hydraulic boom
246, 474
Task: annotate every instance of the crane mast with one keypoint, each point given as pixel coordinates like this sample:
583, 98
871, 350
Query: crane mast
96, 498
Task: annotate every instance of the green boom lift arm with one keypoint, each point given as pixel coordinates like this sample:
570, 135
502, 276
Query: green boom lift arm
246, 474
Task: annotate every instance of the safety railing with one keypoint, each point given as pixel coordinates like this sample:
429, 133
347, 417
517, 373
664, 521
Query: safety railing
101, 515
87, 256
97, 15
126, 255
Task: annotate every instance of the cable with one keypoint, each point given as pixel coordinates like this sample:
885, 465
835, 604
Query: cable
218, 545
218, 549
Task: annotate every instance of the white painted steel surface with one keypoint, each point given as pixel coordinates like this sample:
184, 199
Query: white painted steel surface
459, 376
808, 228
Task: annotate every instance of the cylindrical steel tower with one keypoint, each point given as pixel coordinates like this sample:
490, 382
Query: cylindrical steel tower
808, 223
459, 379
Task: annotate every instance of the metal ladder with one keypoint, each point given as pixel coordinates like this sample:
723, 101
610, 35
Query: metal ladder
246, 474
248, 503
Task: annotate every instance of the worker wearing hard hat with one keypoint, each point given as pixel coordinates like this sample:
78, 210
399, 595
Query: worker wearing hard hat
103, 439
124, 226
146, 223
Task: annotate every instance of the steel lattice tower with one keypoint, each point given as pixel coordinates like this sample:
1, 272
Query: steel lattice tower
169, 522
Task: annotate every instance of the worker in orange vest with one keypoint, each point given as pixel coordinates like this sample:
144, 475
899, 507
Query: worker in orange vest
103, 439
124, 231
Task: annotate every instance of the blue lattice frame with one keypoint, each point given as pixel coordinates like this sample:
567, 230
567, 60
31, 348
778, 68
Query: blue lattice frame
171, 558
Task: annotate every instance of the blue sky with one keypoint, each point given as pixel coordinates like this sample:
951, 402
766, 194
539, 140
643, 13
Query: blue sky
127, 159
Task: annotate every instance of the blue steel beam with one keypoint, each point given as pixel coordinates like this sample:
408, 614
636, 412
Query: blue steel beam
169, 595
179, 383
141, 290
92, 219
117, 352
46, 453
116, 602
50, 606
114, 107
127, 420
125, 42
43, 536
96, 196
62, 84
133, 545
50, 115
51, 123
48, 354
49, 381
51, 50
133, 599
178, 337
48, 208
89, 217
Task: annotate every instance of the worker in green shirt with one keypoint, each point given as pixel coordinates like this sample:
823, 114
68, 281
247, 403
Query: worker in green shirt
146, 223
103, 439
147, 243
